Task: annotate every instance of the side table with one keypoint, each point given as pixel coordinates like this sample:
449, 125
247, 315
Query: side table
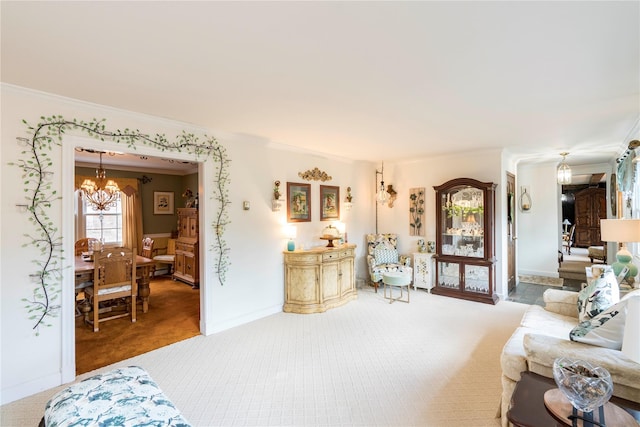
422, 270
527, 403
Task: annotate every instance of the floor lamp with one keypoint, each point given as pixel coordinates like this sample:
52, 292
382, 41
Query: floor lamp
622, 231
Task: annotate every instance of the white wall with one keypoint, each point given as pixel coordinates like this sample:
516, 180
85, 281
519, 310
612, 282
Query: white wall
483, 166
254, 286
539, 237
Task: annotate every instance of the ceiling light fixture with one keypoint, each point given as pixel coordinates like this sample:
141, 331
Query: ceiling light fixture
564, 171
101, 193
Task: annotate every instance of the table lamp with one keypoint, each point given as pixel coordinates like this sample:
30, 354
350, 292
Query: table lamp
291, 234
566, 224
622, 231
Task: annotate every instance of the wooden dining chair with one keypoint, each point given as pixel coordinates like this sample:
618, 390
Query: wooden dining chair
114, 282
147, 247
83, 245
169, 257
147, 252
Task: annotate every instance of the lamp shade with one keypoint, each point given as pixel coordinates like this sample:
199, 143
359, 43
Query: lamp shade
620, 230
566, 222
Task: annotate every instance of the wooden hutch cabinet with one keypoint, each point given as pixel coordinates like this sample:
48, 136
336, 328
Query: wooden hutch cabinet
590, 207
187, 257
465, 241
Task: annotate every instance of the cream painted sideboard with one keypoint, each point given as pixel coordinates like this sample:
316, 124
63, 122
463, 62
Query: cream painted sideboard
318, 279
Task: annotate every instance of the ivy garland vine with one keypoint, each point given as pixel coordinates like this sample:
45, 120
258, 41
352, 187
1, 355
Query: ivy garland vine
36, 173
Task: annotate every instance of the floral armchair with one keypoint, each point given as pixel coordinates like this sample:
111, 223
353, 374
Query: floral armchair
382, 256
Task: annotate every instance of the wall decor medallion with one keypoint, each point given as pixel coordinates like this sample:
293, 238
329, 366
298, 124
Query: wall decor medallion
314, 175
298, 202
42, 192
329, 203
416, 211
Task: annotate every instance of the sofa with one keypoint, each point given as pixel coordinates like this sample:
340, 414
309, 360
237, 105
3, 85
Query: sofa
543, 336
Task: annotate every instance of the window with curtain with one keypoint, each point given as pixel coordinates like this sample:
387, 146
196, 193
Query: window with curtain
88, 221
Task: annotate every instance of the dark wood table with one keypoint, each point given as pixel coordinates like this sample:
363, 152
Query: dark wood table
84, 272
528, 408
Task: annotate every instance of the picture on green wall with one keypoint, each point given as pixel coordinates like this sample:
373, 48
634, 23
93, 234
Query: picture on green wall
163, 202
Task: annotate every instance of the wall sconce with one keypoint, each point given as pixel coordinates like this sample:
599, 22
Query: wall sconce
564, 171
278, 200
525, 200
348, 200
381, 196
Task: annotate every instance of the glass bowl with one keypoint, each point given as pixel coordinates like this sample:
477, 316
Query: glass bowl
587, 387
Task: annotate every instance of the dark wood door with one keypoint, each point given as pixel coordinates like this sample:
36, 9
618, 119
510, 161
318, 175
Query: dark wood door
511, 229
591, 207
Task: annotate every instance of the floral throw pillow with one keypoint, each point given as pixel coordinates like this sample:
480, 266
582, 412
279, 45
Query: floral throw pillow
601, 293
604, 330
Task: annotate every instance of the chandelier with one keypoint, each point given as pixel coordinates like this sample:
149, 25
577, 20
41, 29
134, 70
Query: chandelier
101, 193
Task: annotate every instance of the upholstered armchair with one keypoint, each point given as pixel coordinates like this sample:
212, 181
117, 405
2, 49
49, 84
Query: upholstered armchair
382, 256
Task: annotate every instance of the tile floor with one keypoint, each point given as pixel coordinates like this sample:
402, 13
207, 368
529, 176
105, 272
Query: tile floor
529, 293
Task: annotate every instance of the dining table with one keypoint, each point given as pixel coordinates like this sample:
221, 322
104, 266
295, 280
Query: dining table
84, 269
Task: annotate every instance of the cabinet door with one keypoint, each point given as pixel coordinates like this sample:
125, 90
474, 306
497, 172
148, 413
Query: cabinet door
179, 264
476, 279
302, 284
330, 280
190, 266
449, 275
347, 282
192, 224
422, 271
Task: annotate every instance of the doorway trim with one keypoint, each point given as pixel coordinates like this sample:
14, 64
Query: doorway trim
67, 313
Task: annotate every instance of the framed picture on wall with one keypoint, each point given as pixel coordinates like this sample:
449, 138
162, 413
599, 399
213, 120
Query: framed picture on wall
298, 202
163, 203
329, 203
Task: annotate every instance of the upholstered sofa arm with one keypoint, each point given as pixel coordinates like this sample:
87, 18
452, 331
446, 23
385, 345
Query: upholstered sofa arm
542, 350
561, 302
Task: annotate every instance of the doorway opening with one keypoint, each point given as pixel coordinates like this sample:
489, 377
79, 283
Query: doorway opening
175, 307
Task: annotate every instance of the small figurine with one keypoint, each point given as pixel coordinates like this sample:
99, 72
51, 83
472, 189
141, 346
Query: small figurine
188, 194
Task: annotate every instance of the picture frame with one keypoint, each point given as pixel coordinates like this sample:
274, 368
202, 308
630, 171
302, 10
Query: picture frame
329, 203
163, 203
298, 202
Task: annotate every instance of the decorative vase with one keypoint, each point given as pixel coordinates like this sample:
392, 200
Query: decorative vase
291, 245
587, 387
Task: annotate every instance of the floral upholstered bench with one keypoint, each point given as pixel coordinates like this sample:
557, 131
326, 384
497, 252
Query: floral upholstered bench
122, 397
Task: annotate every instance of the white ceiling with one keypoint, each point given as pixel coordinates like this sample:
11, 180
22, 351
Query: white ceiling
361, 80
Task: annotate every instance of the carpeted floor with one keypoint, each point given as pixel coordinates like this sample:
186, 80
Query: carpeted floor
433, 362
174, 313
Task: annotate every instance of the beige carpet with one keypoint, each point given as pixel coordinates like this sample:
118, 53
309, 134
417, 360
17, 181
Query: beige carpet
433, 362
